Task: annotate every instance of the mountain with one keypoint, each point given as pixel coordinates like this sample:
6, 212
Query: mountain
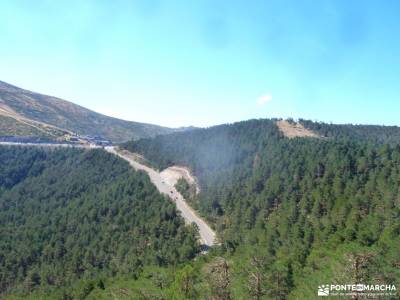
295, 205
26, 113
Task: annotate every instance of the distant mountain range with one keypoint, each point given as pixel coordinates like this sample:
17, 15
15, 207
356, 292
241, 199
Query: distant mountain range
30, 114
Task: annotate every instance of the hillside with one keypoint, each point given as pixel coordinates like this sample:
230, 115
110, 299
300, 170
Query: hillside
364, 133
72, 219
294, 213
290, 214
26, 113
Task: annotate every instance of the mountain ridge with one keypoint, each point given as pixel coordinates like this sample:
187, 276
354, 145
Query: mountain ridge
54, 117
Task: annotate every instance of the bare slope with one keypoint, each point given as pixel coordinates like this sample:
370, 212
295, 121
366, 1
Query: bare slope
172, 174
292, 130
23, 112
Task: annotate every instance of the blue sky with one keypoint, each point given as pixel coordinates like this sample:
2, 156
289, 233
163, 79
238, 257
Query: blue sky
206, 62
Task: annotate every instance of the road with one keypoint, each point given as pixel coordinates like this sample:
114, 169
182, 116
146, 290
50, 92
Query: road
207, 235
50, 145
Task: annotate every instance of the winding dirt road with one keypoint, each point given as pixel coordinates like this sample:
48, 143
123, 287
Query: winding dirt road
207, 235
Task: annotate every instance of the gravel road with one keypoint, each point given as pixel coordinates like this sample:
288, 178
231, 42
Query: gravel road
207, 235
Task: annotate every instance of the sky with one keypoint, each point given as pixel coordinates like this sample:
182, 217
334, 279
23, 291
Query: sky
206, 62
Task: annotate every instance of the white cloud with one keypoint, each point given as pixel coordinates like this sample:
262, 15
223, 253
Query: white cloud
264, 99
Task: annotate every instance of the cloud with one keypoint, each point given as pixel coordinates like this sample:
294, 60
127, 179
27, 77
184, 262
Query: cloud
264, 99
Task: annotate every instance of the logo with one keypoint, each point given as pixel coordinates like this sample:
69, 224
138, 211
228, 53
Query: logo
323, 290
367, 290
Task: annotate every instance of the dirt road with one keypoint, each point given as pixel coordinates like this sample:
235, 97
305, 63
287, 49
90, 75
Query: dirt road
207, 235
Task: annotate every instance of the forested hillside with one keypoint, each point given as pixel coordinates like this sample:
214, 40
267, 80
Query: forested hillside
362, 133
293, 214
72, 219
